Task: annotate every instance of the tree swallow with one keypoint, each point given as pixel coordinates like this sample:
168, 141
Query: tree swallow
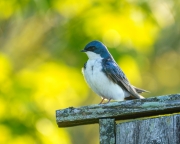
105, 77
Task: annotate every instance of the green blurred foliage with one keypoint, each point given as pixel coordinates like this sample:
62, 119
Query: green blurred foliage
40, 59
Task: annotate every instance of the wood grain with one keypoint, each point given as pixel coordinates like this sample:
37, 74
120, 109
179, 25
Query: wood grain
161, 130
107, 131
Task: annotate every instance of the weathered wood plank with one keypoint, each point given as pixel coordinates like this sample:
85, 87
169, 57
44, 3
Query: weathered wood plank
107, 131
161, 130
118, 110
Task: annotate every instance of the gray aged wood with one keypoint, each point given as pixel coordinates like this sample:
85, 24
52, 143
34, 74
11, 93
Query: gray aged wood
118, 110
161, 130
107, 131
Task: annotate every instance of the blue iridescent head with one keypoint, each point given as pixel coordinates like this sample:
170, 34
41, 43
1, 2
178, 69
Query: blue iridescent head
96, 49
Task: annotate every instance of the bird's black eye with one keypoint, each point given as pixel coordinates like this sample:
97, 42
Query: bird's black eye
92, 48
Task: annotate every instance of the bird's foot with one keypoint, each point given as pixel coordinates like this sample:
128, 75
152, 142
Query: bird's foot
102, 100
106, 102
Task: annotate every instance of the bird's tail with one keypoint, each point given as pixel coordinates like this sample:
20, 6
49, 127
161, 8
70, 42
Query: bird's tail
138, 90
136, 94
141, 97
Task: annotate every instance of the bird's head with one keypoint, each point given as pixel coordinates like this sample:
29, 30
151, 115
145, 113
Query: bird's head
96, 49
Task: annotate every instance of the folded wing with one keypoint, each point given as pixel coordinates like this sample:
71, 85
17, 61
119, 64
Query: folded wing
113, 72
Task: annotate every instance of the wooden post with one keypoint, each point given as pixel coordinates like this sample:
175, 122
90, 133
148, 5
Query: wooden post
107, 131
122, 110
159, 130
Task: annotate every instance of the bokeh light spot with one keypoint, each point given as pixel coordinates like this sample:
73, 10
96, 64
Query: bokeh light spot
130, 68
111, 38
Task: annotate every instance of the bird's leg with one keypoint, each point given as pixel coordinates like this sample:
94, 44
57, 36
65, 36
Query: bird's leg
108, 100
101, 101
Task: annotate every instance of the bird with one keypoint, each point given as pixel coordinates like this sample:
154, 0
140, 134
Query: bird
105, 77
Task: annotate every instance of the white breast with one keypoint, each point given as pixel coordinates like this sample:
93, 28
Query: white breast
99, 82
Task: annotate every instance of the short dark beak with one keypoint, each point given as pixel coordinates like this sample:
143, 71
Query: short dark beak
83, 50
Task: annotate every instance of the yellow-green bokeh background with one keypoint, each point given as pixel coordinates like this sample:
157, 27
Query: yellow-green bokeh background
40, 59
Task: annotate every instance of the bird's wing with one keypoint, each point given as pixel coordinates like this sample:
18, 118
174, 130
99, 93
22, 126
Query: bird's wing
113, 72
